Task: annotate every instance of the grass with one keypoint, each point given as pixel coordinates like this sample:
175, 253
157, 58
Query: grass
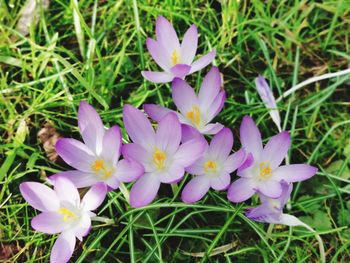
95, 50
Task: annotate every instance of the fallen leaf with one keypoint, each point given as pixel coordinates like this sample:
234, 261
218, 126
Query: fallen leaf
48, 136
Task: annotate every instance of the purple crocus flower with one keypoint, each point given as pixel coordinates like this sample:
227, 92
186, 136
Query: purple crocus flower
271, 210
176, 60
267, 97
63, 212
160, 152
261, 172
214, 168
196, 112
98, 159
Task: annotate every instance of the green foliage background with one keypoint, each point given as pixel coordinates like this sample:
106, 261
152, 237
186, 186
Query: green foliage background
44, 76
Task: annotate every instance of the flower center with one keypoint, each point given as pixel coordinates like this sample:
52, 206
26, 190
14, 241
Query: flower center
159, 158
194, 115
99, 166
174, 57
68, 215
265, 170
210, 166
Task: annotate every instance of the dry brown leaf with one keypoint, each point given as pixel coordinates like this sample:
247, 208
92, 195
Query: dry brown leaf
48, 136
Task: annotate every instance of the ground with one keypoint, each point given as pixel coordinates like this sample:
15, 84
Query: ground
97, 55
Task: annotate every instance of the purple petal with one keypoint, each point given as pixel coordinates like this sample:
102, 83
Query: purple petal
241, 190
249, 160
212, 128
66, 191
157, 77
276, 149
112, 183
283, 199
136, 152
183, 95
158, 53
294, 172
203, 61
39, 196
195, 189
221, 182
63, 248
78, 178
129, 170
221, 145
112, 143
180, 70
259, 213
166, 35
173, 174
94, 197
156, 112
138, 127
215, 107
189, 152
189, 45
75, 154
83, 227
168, 134
234, 161
270, 188
210, 88
189, 133
49, 222
251, 137
90, 126
265, 92
197, 168
144, 190
267, 97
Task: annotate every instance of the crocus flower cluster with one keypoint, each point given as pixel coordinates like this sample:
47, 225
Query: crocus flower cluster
163, 155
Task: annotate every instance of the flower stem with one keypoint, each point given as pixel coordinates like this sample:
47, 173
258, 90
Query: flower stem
174, 188
294, 221
320, 242
269, 230
125, 192
102, 219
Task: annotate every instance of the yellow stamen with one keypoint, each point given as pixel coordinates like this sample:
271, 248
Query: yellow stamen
159, 158
194, 115
174, 57
67, 214
265, 170
210, 166
99, 165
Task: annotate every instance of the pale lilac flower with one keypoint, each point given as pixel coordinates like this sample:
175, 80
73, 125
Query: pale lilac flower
267, 97
271, 210
160, 152
176, 60
261, 172
63, 212
213, 169
98, 159
195, 111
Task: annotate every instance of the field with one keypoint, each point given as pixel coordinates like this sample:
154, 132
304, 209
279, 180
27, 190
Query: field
95, 51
